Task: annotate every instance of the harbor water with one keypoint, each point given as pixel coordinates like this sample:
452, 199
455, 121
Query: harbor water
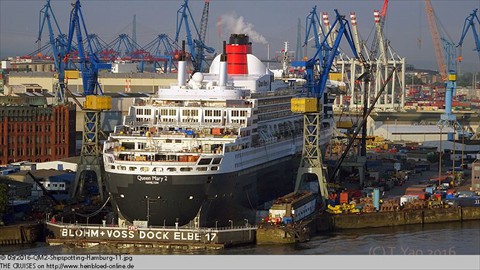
454, 238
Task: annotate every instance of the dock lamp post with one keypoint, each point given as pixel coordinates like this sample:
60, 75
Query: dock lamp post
440, 126
148, 209
388, 118
216, 224
231, 223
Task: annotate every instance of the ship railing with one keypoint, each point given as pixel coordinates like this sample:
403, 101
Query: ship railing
226, 228
204, 105
169, 87
197, 132
246, 227
177, 135
180, 124
275, 93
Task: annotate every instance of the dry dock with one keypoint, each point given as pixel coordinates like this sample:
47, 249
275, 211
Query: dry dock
164, 237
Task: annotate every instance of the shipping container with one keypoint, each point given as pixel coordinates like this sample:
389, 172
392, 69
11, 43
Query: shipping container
407, 198
464, 201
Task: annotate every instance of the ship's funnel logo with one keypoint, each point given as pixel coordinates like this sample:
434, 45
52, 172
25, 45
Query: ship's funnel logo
235, 24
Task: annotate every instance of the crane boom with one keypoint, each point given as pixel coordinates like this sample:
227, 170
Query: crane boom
196, 47
58, 45
470, 23
378, 37
313, 22
204, 21
437, 44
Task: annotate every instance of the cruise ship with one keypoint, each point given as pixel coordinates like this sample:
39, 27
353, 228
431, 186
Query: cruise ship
210, 149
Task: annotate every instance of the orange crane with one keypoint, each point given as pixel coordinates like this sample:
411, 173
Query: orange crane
437, 43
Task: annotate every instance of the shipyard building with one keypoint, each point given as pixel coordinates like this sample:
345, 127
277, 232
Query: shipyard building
36, 132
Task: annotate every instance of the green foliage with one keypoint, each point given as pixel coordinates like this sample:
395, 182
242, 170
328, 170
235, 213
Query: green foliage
3, 197
432, 157
466, 79
416, 80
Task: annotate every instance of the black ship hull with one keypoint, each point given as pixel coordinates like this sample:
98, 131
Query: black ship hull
205, 200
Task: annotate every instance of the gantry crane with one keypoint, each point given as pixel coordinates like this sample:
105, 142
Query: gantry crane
162, 50
470, 24
311, 106
197, 47
132, 51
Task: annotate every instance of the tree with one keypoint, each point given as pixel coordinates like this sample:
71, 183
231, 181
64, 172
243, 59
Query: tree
3, 197
410, 78
432, 157
466, 79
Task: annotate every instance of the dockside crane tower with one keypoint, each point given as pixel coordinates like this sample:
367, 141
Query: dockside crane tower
311, 105
448, 70
95, 101
449, 76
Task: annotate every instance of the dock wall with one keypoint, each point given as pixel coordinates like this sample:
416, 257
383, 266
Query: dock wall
418, 216
20, 234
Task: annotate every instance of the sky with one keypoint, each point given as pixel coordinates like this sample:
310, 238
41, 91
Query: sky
270, 23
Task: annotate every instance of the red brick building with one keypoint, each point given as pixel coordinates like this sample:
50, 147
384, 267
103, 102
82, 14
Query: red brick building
36, 133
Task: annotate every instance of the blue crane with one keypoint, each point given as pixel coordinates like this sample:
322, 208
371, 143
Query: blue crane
324, 57
162, 50
56, 42
450, 84
95, 101
446, 58
313, 22
470, 23
89, 65
132, 51
58, 45
98, 44
123, 40
311, 105
196, 47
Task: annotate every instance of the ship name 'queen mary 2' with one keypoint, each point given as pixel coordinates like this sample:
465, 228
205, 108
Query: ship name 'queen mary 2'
209, 150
